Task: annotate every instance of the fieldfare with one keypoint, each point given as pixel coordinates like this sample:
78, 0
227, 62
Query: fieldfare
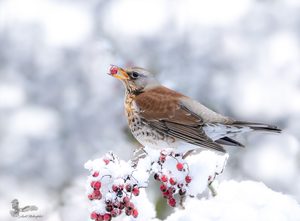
159, 117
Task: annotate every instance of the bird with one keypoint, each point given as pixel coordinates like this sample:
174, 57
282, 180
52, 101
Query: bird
161, 118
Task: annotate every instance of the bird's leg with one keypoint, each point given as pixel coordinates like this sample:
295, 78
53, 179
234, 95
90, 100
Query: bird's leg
181, 198
140, 153
212, 189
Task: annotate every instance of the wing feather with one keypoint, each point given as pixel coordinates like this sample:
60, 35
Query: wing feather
161, 109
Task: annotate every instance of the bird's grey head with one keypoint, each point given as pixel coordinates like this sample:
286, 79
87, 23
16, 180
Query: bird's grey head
135, 79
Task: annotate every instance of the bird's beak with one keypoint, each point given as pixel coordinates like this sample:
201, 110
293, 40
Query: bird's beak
118, 73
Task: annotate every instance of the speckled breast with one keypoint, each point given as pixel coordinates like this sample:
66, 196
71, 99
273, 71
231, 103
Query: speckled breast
144, 133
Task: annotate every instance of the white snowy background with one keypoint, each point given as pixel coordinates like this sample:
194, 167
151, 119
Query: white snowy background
58, 108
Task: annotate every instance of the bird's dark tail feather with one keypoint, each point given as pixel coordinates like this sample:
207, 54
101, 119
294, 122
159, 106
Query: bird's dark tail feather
258, 126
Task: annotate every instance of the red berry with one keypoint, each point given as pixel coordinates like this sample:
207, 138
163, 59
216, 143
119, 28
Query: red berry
94, 215
90, 196
128, 212
100, 218
162, 158
106, 217
172, 181
115, 188
106, 161
113, 70
121, 187
95, 174
122, 206
126, 199
166, 194
128, 188
172, 202
135, 213
96, 185
136, 191
163, 188
114, 213
179, 166
97, 194
130, 206
164, 178
188, 179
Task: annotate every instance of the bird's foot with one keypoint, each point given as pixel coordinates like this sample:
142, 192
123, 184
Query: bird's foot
140, 153
212, 189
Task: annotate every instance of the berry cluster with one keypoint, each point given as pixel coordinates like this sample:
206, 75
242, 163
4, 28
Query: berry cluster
114, 186
173, 173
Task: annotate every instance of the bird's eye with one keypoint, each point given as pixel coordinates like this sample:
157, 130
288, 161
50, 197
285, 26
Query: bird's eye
134, 75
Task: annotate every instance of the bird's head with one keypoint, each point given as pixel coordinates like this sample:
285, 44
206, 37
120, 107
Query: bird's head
136, 80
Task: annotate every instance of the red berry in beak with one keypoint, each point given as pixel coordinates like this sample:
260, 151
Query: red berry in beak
113, 70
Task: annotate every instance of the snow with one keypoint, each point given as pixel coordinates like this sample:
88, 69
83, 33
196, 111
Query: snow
267, 159
246, 200
202, 166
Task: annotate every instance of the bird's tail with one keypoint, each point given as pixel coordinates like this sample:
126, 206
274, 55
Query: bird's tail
258, 126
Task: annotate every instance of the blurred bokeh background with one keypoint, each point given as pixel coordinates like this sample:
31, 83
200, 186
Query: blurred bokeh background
59, 108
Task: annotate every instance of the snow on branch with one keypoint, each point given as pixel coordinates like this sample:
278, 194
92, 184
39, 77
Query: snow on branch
116, 189
114, 185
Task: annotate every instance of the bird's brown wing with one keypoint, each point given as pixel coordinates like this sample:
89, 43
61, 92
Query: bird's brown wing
162, 109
